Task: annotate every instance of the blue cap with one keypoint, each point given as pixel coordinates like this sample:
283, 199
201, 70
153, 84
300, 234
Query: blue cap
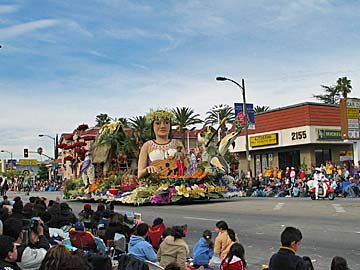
79, 226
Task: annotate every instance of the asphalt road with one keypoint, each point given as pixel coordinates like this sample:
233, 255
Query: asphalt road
329, 227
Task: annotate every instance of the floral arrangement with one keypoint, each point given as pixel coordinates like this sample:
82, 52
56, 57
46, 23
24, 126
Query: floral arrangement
68, 158
106, 130
78, 144
82, 127
159, 114
61, 145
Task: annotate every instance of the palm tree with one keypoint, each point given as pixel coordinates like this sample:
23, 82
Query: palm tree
142, 129
185, 117
102, 119
218, 114
260, 109
124, 122
331, 96
343, 85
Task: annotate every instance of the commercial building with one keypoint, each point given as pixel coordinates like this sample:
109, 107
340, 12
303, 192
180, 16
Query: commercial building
306, 133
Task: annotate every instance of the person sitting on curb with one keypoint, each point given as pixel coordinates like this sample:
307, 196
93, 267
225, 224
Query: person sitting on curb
286, 258
139, 247
155, 232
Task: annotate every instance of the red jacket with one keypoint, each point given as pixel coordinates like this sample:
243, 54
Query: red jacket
235, 264
155, 233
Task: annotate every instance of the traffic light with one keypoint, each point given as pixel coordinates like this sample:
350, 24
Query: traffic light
26, 152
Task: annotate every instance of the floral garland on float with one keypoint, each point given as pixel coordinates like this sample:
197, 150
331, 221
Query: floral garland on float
210, 180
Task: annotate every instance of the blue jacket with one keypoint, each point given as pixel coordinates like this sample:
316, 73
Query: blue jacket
141, 249
202, 252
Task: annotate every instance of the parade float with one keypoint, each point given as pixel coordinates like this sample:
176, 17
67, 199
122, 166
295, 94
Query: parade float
102, 178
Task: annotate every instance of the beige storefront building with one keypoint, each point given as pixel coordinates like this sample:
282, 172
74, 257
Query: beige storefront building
303, 134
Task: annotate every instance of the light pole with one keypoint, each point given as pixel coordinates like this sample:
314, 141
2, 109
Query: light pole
242, 88
55, 142
11, 156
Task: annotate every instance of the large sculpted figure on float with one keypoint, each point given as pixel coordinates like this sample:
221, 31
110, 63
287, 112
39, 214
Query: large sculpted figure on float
87, 170
157, 156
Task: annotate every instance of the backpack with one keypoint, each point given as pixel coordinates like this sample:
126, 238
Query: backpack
128, 262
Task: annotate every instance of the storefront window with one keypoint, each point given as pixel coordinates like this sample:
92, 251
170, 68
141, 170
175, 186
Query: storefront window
322, 156
289, 159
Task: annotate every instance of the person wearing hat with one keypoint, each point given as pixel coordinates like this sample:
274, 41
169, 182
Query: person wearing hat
82, 239
87, 216
66, 217
317, 178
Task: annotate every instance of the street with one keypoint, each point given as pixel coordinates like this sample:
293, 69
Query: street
329, 227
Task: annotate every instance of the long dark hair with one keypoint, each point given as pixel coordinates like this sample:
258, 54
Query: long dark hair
223, 226
339, 263
177, 232
236, 250
207, 235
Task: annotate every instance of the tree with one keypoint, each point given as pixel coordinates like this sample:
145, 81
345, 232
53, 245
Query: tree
185, 117
343, 86
123, 121
102, 119
43, 172
331, 96
260, 109
219, 112
142, 129
333, 93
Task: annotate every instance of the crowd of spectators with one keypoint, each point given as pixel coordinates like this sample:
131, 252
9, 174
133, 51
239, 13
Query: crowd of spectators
44, 235
25, 184
290, 182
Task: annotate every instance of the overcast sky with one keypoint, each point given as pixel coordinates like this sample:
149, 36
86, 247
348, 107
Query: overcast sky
65, 61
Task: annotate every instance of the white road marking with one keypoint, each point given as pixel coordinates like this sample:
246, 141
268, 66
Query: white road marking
278, 206
202, 218
338, 208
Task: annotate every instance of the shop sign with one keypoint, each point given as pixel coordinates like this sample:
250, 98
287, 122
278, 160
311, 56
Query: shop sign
349, 115
28, 162
353, 103
329, 134
353, 124
262, 140
346, 155
352, 113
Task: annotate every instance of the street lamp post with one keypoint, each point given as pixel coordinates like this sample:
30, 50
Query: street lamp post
55, 142
242, 88
11, 156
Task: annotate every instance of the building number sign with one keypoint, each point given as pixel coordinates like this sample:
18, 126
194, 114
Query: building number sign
298, 135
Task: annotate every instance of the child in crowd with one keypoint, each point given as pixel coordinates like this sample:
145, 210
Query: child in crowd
203, 251
235, 259
339, 263
286, 258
